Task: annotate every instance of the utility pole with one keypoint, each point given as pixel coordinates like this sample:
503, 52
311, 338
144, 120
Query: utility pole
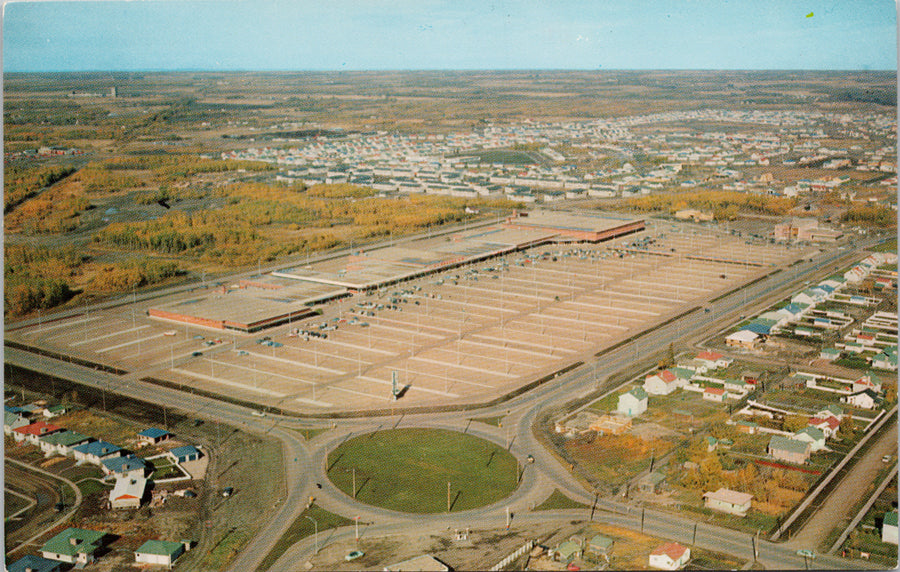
354, 482
507, 518
448, 496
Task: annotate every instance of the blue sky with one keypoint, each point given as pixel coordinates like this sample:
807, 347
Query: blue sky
459, 34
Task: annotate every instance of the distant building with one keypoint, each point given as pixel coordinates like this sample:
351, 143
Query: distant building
742, 339
717, 394
185, 454
669, 556
726, 500
651, 483
662, 383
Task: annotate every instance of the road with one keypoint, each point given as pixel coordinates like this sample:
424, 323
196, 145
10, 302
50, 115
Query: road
305, 462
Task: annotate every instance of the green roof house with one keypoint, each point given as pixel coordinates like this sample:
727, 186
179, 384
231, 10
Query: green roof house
568, 551
600, 544
162, 552
73, 545
62, 442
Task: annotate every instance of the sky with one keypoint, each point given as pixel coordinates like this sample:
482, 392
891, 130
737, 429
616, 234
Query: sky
449, 34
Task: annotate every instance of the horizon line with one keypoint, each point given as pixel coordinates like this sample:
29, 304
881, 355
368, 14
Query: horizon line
449, 70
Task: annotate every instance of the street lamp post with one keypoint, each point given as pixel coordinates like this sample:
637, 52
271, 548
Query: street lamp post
316, 525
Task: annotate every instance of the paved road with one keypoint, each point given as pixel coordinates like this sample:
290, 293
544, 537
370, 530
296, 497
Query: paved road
305, 463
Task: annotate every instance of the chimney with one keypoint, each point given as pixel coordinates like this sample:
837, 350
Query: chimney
74, 541
186, 544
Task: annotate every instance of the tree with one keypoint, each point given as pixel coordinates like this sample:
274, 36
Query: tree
794, 423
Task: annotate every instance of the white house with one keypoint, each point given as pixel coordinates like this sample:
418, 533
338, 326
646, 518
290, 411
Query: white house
726, 500
633, 402
714, 360
742, 339
128, 493
716, 394
812, 435
661, 383
865, 399
889, 527
161, 552
670, 556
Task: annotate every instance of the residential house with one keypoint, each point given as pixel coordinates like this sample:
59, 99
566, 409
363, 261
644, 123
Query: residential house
865, 399
744, 339
600, 545
717, 394
34, 431
714, 360
184, 454
73, 546
751, 376
829, 425
812, 435
633, 402
154, 435
12, 421
651, 483
829, 354
737, 386
889, 527
886, 360
831, 410
699, 367
669, 556
726, 500
62, 442
568, 551
54, 411
96, 451
161, 552
787, 449
749, 427
32, 563
128, 467
128, 493
661, 383
865, 382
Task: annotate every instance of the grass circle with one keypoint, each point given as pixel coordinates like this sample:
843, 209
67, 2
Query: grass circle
408, 470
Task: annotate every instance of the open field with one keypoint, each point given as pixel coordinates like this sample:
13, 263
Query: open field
409, 470
458, 336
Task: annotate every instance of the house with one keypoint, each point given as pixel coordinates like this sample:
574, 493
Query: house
633, 402
54, 411
829, 354
812, 435
699, 367
62, 442
96, 451
651, 483
737, 386
748, 427
12, 421
865, 382
714, 360
32, 432
831, 410
153, 435
128, 493
751, 376
726, 500
31, 563
866, 399
717, 394
162, 552
184, 454
73, 546
887, 360
423, 562
601, 545
568, 551
742, 339
889, 527
787, 449
828, 424
124, 467
669, 556
661, 383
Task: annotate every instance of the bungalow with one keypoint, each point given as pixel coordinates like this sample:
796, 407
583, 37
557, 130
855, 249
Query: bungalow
865, 399
714, 360
184, 454
726, 500
32, 563
669, 556
737, 385
96, 451
62, 443
601, 545
786, 449
54, 411
651, 483
124, 467
684, 375
748, 427
697, 366
865, 382
73, 546
661, 383
153, 435
887, 360
829, 354
34, 431
162, 552
831, 410
12, 421
828, 424
128, 493
633, 402
745, 339
717, 394
812, 435
568, 550
751, 376
889, 527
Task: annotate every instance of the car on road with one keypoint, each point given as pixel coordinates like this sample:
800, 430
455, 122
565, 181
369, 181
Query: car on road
887, 458
806, 553
258, 413
197, 354
354, 555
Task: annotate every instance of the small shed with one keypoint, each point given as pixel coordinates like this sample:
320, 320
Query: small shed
601, 545
651, 482
162, 552
154, 435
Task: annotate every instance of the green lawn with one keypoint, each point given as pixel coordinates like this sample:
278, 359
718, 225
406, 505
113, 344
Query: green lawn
557, 500
408, 470
888, 246
300, 529
496, 421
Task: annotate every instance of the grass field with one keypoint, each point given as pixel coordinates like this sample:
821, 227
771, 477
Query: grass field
300, 529
557, 500
888, 246
408, 470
